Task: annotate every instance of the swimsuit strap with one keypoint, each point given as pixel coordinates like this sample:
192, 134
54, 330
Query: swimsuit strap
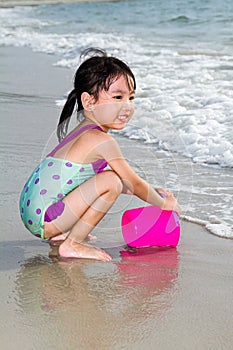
70, 137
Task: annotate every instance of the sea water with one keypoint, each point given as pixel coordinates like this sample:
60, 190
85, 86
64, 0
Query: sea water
182, 55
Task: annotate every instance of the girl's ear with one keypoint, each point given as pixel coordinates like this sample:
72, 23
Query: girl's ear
87, 101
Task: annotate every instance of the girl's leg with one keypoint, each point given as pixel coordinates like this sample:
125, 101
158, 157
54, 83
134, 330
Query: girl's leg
84, 208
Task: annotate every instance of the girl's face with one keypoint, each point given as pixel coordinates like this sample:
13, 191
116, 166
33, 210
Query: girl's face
115, 107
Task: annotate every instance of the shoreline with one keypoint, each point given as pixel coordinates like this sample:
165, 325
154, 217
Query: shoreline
13, 3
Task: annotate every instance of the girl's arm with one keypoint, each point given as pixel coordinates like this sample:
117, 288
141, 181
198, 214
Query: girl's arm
110, 151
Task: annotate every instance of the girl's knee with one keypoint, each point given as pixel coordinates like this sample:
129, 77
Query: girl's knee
113, 182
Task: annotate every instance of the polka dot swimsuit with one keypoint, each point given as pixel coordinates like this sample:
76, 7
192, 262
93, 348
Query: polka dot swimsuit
51, 181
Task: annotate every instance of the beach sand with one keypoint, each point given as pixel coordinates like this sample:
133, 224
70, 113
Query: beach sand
149, 299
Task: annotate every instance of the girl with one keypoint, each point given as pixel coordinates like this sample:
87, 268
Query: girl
70, 190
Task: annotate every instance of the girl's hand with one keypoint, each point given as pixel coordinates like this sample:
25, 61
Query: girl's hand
163, 192
170, 203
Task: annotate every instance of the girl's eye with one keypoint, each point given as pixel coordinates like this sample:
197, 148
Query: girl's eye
119, 97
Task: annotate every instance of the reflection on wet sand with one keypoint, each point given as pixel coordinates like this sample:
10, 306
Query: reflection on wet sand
97, 304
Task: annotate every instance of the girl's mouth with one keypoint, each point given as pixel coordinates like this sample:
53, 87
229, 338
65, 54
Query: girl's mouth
123, 118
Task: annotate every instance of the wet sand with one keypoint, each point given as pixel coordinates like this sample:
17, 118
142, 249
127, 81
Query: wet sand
152, 298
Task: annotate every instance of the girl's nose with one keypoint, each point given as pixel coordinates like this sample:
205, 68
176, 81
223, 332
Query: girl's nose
128, 104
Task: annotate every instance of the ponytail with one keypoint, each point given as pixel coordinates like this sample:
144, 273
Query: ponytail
66, 114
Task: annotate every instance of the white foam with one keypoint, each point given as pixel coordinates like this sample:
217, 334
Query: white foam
219, 229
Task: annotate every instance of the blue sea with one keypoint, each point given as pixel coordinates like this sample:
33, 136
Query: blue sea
181, 52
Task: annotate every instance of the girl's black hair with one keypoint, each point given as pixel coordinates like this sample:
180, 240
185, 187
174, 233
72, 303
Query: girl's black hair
96, 73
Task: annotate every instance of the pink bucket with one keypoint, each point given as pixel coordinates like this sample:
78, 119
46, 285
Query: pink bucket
150, 226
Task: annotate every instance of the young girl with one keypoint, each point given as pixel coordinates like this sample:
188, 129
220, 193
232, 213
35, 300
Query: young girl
70, 190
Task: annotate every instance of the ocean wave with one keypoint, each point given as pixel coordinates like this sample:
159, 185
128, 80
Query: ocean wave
184, 97
218, 228
180, 19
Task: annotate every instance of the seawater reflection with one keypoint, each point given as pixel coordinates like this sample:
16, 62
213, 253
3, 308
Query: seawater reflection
95, 304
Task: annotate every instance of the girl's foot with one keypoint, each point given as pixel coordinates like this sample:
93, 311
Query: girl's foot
71, 249
57, 240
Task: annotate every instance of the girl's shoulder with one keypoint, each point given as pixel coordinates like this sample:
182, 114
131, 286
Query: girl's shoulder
95, 141
106, 146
